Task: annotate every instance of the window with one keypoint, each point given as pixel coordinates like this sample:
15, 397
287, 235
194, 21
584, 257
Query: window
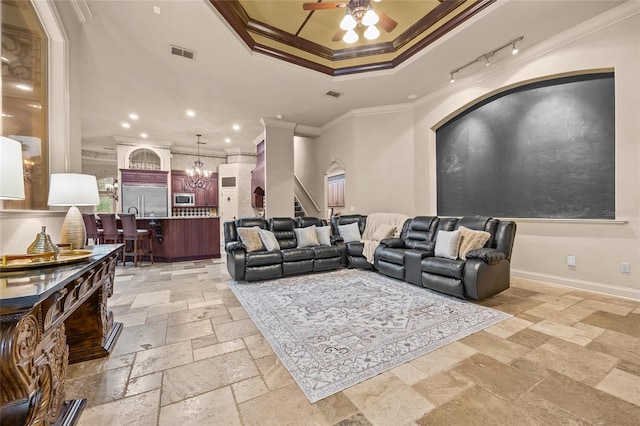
144, 159
335, 190
24, 98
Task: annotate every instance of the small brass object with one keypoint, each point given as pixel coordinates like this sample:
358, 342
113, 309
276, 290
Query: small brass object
43, 244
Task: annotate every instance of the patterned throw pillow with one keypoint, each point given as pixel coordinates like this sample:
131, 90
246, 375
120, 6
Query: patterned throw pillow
324, 235
447, 243
307, 237
471, 240
350, 232
250, 237
269, 240
383, 231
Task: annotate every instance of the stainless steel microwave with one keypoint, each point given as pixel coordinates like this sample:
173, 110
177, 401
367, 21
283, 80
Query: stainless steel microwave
184, 200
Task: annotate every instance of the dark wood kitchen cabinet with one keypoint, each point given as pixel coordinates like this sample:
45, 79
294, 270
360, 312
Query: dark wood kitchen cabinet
204, 197
150, 177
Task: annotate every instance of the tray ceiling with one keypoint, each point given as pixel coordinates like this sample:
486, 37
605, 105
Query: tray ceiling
284, 30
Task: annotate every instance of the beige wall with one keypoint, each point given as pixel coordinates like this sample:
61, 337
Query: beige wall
390, 155
306, 168
278, 168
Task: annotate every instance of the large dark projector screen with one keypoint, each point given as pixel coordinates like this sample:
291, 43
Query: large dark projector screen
544, 150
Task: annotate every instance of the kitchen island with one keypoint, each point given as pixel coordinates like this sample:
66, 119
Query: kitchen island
179, 238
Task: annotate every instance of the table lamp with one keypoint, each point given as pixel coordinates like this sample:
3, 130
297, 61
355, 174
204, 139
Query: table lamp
11, 174
68, 189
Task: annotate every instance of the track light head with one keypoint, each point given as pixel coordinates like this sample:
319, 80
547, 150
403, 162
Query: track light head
514, 50
486, 61
453, 77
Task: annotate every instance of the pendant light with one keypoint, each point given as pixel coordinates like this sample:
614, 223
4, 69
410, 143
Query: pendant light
198, 175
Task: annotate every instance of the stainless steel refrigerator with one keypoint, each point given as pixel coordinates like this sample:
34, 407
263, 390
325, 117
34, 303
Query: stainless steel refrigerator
147, 199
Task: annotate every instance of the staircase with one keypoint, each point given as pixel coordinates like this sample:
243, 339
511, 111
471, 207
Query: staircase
297, 208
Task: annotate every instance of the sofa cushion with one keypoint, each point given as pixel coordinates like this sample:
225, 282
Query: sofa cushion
269, 240
354, 248
447, 244
350, 232
263, 258
471, 240
391, 255
307, 237
297, 254
445, 267
383, 231
324, 235
250, 237
326, 252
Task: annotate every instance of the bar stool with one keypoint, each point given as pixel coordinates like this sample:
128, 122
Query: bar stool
131, 234
111, 233
91, 226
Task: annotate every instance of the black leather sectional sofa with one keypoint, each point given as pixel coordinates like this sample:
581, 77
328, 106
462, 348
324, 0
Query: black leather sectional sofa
410, 258
289, 260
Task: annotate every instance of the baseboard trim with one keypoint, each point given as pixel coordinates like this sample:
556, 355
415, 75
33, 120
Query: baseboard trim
611, 290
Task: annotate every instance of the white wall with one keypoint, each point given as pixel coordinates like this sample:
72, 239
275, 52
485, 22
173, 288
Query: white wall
278, 146
390, 155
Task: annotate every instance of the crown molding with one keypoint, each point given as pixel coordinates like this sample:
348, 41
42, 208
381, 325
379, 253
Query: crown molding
270, 122
82, 10
384, 109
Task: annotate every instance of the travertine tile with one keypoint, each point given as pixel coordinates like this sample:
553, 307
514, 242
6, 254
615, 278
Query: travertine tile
238, 313
144, 384
218, 349
565, 332
529, 338
496, 377
166, 308
235, 330
212, 408
508, 327
162, 358
409, 373
129, 320
585, 402
205, 375
336, 408
258, 346
99, 388
188, 331
627, 324
197, 314
572, 360
501, 349
249, 389
611, 308
285, 406
138, 410
201, 303
151, 299
623, 385
275, 374
443, 387
563, 301
141, 337
443, 358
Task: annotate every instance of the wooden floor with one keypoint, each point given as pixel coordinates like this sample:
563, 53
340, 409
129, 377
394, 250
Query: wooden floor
189, 355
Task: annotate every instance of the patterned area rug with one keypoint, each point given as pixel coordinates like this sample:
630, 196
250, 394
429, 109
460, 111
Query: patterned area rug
333, 330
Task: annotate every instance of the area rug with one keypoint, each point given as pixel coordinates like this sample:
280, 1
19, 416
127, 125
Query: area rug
335, 329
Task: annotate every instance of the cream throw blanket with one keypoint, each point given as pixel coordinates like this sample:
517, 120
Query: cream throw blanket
374, 220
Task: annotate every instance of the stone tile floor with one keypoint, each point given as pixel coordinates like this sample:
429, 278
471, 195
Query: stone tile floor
189, 355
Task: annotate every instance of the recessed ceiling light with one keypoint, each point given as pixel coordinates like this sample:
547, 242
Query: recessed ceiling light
133, 116
24, 87
412, 96
227, 140
143, 135
236, 127
126, 125
191, 113
156, 10
279, 116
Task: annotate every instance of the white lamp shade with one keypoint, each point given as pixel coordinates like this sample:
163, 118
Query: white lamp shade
70, 189
11, 173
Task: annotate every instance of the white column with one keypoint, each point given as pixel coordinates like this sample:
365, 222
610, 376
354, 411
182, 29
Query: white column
279, 183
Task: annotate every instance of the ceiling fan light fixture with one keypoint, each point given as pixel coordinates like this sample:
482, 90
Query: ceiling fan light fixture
371, 33
350, 37
348, 22
370, 17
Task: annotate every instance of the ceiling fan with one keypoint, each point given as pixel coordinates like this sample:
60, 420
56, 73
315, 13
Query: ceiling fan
359, 13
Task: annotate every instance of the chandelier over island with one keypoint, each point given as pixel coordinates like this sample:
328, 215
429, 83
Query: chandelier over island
198, 175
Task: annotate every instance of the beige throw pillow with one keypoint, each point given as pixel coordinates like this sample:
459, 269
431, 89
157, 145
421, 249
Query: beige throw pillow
383, 231
250, 237
471, 240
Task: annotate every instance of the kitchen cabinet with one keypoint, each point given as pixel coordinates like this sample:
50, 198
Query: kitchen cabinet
204, 197
150, 177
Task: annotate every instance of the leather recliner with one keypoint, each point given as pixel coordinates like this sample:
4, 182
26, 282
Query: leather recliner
485, 272
325, 258
353, 256
249, 266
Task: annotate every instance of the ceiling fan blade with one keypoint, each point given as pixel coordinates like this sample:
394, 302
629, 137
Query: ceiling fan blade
320, 6
339, 35
385, 22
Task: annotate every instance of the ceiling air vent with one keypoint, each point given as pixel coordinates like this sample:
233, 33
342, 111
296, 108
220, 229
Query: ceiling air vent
333, 94
179, 51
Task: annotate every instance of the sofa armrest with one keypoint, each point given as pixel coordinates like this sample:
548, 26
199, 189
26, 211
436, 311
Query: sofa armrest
392, 242
234, 245
487, 255
335, 239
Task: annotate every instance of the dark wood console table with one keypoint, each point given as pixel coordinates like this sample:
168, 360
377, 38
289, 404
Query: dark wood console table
49, 317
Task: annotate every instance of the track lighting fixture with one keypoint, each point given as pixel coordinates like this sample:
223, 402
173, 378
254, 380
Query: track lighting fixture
485, 56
